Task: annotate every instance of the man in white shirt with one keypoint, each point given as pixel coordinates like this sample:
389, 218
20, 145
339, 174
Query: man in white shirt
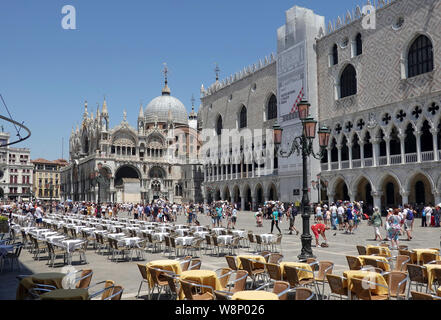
39, 213
340, 213
234, 216
333, 210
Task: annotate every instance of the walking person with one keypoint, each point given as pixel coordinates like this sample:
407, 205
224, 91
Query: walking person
408, 223
377, 222
275, 220
394, 221
291, 215
429, 211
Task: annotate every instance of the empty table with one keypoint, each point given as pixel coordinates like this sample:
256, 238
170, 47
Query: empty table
185, 241
225, 239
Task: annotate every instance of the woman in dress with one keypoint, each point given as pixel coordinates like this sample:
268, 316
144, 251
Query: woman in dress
394, 221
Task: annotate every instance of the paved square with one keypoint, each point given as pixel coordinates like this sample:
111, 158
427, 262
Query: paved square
127, 273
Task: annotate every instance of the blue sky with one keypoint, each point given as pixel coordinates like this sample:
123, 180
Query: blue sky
118, 50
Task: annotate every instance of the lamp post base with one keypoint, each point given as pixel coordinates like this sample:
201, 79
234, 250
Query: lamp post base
306, 248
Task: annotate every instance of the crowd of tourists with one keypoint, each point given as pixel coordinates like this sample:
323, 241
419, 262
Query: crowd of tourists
341, 216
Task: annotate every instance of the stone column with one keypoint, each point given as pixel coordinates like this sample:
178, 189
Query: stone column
350, 155
362, 153
253, 203
339, 156
331, 198
434, 132
418, 141
387, 139
376, 151
402, 148
405, 197
437, 195
242, 201
377, 199
329, 159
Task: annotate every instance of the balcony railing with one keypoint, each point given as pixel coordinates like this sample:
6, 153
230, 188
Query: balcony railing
345, 164
383, 161
356, 163
411, 158
395, 159
427, 156
368, 162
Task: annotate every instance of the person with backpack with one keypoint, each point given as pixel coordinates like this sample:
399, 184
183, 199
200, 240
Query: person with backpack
423, 218
409, 216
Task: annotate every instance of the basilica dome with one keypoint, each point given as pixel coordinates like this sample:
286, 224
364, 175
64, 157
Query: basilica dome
165, 106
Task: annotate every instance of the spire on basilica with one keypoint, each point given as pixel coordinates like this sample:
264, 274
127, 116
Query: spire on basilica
166, 89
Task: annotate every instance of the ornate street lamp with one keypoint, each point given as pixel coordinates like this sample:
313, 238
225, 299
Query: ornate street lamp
303, 145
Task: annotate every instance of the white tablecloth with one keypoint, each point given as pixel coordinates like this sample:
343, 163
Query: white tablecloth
45, 235
240, 233
38, 232
129, 241
268, 238
71, 245
225, 239
201, 234
160, 235
116, 235
218, 231
197, 228
184, 241
163, 229
181, 231
55, 238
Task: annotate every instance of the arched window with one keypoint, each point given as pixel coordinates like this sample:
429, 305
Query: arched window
420, 58
348, 82
358, 45
219, 126
243, 118
334, 55
272, 108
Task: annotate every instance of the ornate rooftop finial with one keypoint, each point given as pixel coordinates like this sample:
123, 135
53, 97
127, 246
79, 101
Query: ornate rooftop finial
166, 90
104, 111
124, 116
141, 112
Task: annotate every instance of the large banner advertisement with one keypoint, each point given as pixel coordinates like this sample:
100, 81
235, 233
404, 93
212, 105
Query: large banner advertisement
292, 81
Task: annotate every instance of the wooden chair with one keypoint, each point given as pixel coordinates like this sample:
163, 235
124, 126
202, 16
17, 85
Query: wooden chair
106, 292
293, 278
221, 295
396, 281
265, 254
277, 243
273, 271
159, 281
236, 285
303, 294
337, 286
224, 274
143, 270
231, 261
251, 240
275, 258
280, 288
362, 250
253, 272
195, 264
429, 258
325, 268
423, 296
401, 262
361, 288
185, 263
418, 277
116, 294
354, 263
173, 285
259, 242
83, 282
208, 244
196, 291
